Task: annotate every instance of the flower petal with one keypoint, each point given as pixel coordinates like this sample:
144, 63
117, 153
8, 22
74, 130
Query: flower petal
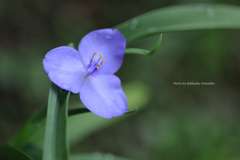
108, 42
103, 95
64, 68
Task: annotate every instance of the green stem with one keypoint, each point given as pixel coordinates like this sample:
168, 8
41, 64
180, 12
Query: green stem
56, 146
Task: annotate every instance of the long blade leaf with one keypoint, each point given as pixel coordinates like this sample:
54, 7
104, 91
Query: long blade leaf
55, 144
181, 18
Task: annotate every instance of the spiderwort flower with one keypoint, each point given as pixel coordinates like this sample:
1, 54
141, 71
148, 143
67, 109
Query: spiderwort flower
90, 71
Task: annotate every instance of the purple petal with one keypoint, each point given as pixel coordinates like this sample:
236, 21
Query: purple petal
103, 95
64, 68
107, 42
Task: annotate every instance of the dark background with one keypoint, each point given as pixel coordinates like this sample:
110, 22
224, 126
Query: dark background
177, 122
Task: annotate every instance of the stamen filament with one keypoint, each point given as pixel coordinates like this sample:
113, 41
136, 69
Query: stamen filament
95, 65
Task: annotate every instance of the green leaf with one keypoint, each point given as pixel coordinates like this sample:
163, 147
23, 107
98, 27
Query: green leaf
96, 156
143, 51
75, 111
32, 130
56, 145
11, 153
30, 137
181, 18
131, 111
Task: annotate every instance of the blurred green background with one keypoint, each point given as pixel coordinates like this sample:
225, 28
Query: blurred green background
173, 122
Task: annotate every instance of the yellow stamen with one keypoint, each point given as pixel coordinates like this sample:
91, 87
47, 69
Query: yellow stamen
103, 61
95, 53
101, 56
99, 64
97, 67
92, 59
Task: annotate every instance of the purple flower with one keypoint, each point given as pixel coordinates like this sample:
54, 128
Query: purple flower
90, 71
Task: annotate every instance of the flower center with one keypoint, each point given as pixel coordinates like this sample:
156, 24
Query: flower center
95, 63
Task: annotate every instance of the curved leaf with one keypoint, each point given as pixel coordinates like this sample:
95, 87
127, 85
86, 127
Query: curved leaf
11, 153
143, 51
181, 18
32, 129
